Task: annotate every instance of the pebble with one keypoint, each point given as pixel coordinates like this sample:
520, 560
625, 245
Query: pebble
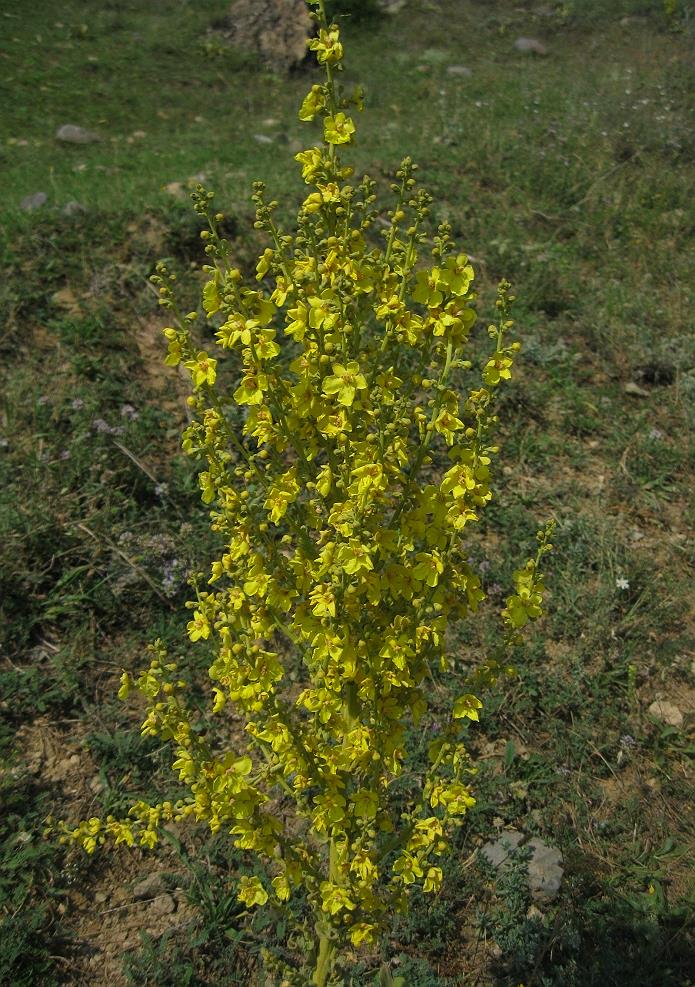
262, 139
31, 202
163, 904
96, 785
635, 390
545, 865
498, 852
666, 712
149, 887
530, 46
545, 870
462, 70
73, 208
69, 133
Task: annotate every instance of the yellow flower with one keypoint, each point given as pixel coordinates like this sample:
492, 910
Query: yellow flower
313, 102
202, 369
345, 382
327, 46
251, 389
198, 627
252, 892
497, 369
427, 289
338, 129
311, 162
433, 879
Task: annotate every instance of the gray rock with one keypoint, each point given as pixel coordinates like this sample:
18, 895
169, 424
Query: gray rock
497, 853
666, 712
276, 31
73, 208
69, 133
163, 904
634, 390
461, 70
545, 870
149, 887
262, 139
31, 202
530, 46
392, 6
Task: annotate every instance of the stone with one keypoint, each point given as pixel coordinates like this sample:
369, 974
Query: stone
69, 133
149, 887
497, 853
96, 785
461, 70
530, 46
276, 31
634, 390
262, 139
65, 298
73, 208
666, 712
32, 202
391, 6
163, 904
545, 870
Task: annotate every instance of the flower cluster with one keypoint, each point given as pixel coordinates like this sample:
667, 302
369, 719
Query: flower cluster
344, 559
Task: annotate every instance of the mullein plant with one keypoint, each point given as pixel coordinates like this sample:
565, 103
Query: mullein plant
342, 545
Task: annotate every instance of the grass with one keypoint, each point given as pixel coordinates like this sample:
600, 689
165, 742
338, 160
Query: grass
569, 174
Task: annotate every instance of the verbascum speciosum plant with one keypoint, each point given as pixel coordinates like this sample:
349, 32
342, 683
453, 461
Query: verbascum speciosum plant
324, 412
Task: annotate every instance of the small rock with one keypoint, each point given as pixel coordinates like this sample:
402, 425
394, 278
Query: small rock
497, 853
392, 6
100, 897
74, 759
61, 769
545, 870
69, 133
163, 904
73, 208
262, 139
635, 390
96, 785
175, 188
530, 46
65, 299
434, 56
276, 31
149, 887
666, 712
31, 202
461, 70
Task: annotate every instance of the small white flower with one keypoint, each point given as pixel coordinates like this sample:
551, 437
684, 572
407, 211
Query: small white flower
622, 583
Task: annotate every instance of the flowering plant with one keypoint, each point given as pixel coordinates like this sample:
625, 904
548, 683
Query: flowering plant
343, 561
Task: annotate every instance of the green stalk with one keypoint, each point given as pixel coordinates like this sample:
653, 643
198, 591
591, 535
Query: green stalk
326, 951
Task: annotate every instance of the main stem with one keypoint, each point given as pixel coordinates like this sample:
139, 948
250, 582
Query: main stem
326, 951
